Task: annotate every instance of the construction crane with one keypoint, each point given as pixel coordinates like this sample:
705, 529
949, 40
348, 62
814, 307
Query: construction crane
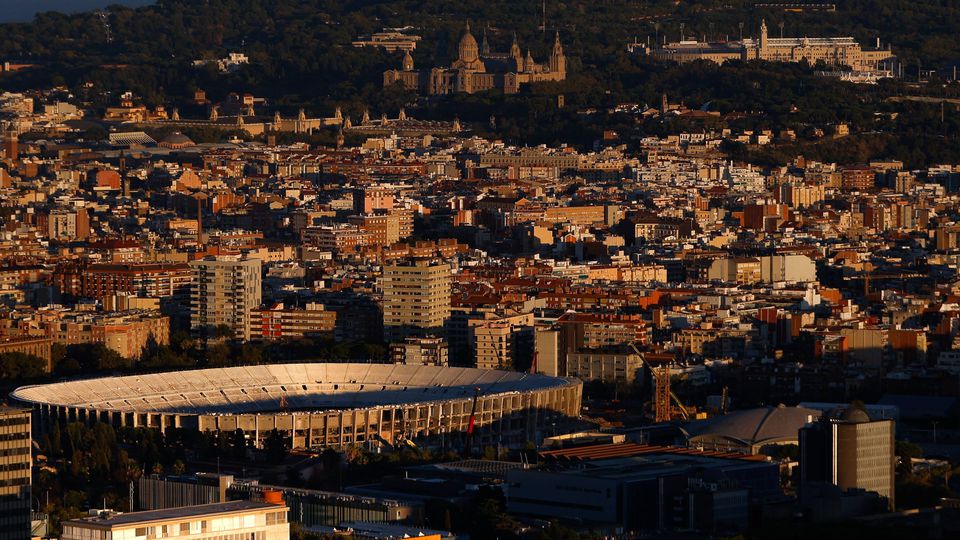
468, 451
662, 395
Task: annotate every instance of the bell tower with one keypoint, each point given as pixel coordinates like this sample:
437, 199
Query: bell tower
516, 54
558, 61
763, 39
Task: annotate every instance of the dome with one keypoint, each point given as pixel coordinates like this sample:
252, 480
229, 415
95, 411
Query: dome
176, 140
468, 48
751, 429
854, 415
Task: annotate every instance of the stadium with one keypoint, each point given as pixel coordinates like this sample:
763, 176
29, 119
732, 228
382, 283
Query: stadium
320, 405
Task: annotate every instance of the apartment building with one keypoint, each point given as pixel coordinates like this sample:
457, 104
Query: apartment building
416, 298
127, 333
420, 351
282, 322
226, 290
503, 342
15, 474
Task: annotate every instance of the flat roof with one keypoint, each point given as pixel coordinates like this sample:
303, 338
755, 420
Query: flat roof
173, 514
6, 410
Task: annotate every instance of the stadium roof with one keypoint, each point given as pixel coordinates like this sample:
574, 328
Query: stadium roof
282, 387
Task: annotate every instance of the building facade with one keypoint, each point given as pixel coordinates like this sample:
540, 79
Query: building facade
15, 473
32, 345
420, 351
477, 68
611, 367
849, 450
833, 51
416, 298
127, 333
281, 322
225, 292
220, 521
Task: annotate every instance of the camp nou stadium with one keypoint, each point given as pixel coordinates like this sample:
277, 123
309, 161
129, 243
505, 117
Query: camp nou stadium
320, 405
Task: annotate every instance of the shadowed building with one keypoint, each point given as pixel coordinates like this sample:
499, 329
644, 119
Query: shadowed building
848, 450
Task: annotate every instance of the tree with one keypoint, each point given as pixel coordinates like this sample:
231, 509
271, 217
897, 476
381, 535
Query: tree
906, 451
18, 365
275, 447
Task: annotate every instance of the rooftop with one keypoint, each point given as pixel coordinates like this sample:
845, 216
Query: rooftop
174, 514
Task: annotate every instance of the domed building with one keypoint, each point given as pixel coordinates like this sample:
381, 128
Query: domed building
176, 141
477, 68
750, 431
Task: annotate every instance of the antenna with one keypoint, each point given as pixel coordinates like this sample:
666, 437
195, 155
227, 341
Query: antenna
544, 27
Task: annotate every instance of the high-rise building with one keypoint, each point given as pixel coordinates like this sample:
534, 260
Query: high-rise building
226, 289
848, 450
15, 473
416, 298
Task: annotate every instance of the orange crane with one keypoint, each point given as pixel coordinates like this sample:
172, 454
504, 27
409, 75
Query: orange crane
662, 395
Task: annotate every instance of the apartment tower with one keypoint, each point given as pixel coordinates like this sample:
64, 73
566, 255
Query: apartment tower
15, 473
225, 291
416, 298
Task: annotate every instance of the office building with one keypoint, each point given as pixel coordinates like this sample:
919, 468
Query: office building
225, 291
228, 520
416, 298
848, 450
15, 473
643, 488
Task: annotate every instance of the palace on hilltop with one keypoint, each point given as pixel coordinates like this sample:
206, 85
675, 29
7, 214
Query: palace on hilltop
833, 51
477, 68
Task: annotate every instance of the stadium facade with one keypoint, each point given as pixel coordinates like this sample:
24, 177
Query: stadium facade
320, 405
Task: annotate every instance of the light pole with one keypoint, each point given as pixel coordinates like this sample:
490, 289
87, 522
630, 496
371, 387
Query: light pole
781, 29
741, 30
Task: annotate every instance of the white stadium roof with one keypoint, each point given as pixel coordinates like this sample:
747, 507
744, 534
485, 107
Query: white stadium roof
259, 389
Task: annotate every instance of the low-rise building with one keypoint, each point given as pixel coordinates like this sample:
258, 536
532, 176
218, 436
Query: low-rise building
421, 351
281, 322
233, 520
605, 366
